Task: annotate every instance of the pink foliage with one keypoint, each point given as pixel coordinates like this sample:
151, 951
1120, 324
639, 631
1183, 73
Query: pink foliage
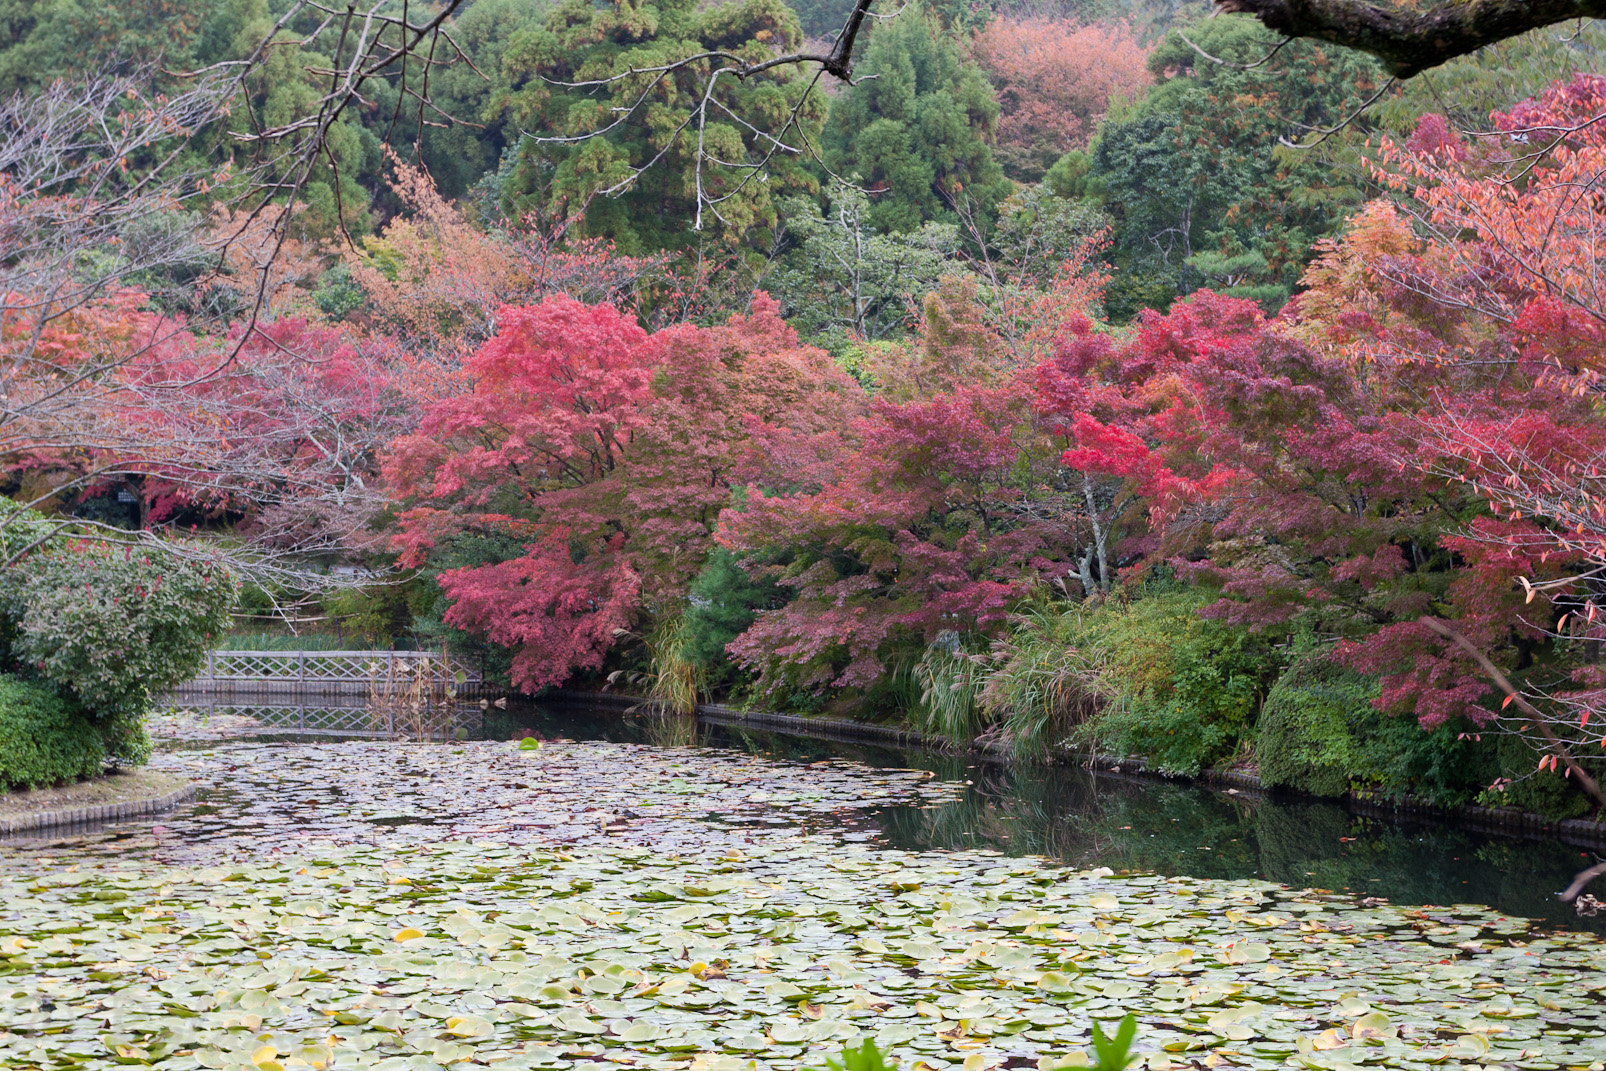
915, 537
1055, 80
608, 452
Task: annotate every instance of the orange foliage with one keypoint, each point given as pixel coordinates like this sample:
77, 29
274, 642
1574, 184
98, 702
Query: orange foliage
1055, 80
436, 280
1514, 220
432, 277
255, 254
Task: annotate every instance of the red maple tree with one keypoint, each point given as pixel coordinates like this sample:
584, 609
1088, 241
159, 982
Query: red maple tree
607, 452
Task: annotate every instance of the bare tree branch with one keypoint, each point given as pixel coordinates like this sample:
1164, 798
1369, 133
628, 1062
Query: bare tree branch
1590, 786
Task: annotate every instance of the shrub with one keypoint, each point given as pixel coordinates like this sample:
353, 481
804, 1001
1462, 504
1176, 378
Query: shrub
44, 740
1305, 736
1148, 677
1048, 679
1183, 690
109, 626
23, 530
1547, 792
1320, 733
724, 601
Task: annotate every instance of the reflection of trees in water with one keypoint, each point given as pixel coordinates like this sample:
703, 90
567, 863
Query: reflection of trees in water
1069, 815
1087, 819
669, 730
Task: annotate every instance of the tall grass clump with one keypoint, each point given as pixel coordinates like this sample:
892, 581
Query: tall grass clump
1047, 678
1139, 673
950, 681
675, 680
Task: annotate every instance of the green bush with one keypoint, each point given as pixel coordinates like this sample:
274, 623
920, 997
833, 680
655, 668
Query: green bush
1305, 737
1148, 677
23, 530
110, 626
1547, 792
43, 739
724, 600
1182, 690
1319, 732
371, 617
1048, 679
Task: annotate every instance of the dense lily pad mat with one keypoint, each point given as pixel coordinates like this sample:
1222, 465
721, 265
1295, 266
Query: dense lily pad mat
419, 906
513, 956
278, 798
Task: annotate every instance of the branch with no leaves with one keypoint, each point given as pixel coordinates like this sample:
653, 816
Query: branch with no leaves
1590, 786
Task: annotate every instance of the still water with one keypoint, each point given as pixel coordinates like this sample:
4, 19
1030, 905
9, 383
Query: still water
1075, 816
1095, 819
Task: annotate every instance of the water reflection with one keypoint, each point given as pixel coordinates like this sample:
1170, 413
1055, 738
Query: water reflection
1079, 817
309, 711
1092, 819
1098, 820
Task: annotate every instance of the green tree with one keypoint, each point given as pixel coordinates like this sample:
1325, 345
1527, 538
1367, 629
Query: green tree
45, 39
458, 154
280, 91
822, 19
622, 126
916, 126
844, 279
1201, 193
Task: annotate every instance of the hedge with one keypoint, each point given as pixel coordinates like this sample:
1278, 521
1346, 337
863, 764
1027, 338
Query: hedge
43, 739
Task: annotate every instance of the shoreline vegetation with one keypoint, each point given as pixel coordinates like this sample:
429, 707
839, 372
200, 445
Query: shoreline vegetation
1504, 820
1103, 376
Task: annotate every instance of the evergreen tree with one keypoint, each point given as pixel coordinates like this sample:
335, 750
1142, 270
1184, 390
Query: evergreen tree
45, 39
1201, 192
917, 132
459, 154
622, 126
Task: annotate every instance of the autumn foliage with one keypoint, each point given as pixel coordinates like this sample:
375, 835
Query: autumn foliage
608, 452
1055, 80
1403, 470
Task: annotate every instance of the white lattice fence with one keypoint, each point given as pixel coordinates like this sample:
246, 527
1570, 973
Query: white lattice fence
329, 667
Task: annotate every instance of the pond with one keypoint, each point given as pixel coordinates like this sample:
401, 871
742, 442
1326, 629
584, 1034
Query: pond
1064, 813
1088, 819
715, 899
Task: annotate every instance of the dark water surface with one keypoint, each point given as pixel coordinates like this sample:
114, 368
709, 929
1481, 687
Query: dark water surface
1065, 813
1091, 819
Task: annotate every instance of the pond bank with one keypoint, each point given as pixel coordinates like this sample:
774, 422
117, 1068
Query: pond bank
112, 797
1501, 820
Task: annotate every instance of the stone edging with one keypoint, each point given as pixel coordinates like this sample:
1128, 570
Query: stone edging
1506, 820
103, 812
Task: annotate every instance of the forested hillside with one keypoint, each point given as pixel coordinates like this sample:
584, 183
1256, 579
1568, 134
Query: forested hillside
1097, 372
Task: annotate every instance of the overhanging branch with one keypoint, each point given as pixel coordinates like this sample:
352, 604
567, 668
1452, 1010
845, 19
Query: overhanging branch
1411, 37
